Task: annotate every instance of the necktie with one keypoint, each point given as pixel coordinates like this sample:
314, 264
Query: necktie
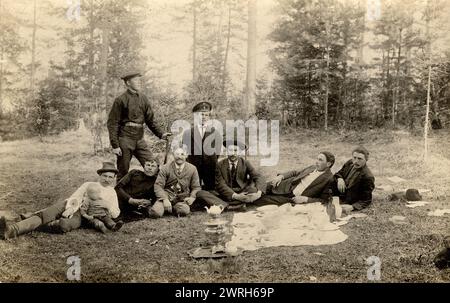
178, 170
233, 172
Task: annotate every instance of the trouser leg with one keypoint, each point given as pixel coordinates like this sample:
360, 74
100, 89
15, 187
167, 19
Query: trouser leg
27, 225
206, 198
42, 217
108, 221
142, 152
127, 146
272, 200
69, 224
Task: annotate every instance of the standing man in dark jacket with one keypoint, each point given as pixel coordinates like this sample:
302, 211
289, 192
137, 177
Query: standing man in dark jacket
312, 184
355, 182
204, 145
126, 124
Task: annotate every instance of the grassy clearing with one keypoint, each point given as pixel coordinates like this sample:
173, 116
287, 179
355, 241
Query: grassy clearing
36, 174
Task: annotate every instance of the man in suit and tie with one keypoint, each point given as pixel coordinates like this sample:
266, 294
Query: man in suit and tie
312, 184
237, 181
203, 144
355, 182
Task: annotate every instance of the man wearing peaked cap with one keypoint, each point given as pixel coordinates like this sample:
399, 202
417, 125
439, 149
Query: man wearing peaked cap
202, 107
64, 216
126, 120
203, 144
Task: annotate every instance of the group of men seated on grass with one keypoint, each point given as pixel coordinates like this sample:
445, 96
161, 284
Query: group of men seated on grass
175, 188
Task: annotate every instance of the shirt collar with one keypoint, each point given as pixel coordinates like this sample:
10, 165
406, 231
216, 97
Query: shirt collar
132, 91
235, 162
180, 167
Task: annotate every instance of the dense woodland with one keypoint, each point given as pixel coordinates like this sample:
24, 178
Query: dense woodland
332, 65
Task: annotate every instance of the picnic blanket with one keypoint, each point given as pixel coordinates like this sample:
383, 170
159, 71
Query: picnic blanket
286, 225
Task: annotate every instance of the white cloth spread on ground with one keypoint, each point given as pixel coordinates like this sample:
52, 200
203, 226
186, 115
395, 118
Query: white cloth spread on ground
287, 225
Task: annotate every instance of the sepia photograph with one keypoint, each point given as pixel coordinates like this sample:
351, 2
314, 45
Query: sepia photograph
224, 141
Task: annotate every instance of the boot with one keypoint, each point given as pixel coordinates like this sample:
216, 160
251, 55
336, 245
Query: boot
117, 226
9, 231
99, 225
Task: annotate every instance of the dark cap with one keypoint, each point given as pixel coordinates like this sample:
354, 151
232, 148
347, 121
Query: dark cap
130, 74
413, 194
202, 107
240, 144
107, 167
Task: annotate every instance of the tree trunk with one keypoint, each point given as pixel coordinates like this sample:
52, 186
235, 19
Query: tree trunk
427, 111
91, 56
388, 82
33, 53
227, 49
396, 98
194, 42
104, 64
1, 63
251, 60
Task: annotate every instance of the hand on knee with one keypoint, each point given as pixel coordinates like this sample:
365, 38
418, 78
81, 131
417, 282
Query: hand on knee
182, 209
156, 211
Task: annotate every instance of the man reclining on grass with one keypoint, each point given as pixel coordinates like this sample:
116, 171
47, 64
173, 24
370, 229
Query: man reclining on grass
64, 216
355, 182
312, 184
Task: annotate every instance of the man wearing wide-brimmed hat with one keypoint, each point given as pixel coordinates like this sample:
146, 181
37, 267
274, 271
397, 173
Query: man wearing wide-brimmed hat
126, 120
237, 181
65, 216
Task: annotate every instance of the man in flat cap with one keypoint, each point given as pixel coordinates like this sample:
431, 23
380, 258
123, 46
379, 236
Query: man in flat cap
237, 181
203, 144
126, 124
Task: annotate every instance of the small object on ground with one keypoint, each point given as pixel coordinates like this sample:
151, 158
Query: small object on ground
312, 278
386, 188
398, 219
412, 194
205, 252
424, 190
414, 204
396, 179
439, 212
319, 254
153, 242
137, 241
